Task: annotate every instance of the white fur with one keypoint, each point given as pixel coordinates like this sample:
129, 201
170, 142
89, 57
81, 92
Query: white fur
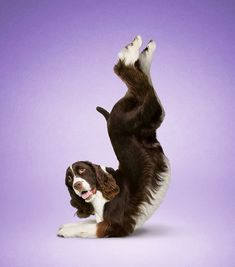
80, 229
103, 168
76, 223
98, 203
97, 200
146, 210
72, 170
146, 57
85, 186
130, 54
85, 228
88, 228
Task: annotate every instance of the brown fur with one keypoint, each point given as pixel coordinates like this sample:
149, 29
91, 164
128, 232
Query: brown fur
132, 125
84, 209
106, 183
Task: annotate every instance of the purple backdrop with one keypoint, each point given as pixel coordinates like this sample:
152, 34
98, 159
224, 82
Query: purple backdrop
56, 67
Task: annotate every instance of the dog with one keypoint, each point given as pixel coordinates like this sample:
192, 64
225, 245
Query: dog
123, 199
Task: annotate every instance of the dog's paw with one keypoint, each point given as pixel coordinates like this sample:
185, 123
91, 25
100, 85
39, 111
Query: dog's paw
149, 50
130, 53
68, 225
76, 224
146, 56
80, 229
66, 232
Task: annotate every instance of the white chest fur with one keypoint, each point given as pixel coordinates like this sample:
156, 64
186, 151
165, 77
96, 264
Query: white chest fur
98, 203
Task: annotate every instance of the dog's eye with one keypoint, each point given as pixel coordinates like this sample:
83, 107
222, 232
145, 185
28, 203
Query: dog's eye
81, 170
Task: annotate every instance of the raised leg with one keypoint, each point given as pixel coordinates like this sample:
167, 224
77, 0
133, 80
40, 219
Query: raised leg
144, 64
145, 59
134, 70
136, 75
125, 68
130, 53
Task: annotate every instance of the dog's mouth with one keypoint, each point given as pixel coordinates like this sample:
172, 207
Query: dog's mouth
87, 195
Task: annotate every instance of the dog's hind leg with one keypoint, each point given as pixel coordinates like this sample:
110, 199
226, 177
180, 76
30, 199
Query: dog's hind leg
128, 56
134, 70
145, 59
130, 53
144, 64
133, 77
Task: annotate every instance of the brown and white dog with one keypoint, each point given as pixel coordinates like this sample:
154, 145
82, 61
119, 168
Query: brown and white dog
123, 199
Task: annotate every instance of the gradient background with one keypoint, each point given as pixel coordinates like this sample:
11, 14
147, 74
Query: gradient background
56, 67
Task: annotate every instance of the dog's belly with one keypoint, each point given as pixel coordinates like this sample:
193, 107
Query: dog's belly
146, 209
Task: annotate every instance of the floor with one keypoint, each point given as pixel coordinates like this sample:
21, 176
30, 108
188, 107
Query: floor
159, 243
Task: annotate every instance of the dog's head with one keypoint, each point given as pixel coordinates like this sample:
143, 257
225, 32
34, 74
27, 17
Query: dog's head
83, 179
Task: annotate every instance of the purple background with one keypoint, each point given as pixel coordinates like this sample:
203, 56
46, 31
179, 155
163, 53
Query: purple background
56, 67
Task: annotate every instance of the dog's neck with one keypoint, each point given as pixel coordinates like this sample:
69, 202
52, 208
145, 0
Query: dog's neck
98, 203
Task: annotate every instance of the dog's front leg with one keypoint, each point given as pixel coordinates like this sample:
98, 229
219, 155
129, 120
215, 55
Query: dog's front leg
81, 229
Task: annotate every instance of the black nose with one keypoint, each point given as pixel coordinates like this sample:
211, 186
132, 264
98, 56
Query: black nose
78, 185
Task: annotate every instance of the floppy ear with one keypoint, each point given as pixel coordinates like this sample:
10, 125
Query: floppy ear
84, 209
106, 183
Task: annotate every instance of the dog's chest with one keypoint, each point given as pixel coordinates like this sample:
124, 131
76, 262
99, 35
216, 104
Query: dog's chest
98, 204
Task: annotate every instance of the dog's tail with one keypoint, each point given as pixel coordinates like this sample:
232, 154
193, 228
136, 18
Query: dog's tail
104, 112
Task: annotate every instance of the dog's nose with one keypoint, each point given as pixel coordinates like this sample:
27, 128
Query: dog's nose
78, 185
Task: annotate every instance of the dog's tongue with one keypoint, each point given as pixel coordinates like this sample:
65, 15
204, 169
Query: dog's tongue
87, 194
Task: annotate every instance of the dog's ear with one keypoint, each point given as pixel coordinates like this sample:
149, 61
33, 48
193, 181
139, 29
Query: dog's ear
106, 183
84, 209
